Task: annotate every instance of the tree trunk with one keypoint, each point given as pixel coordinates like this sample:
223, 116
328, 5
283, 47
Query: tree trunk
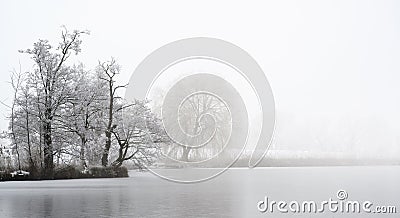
185, 154
82, 152
104, 158
186, 149
32, 166
118, 162
48, 148
40, 144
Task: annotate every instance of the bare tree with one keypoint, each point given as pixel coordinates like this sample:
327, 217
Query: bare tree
25, 105
205, 120
16, 80
21, 121
107, 71
52, 76
81, 113
139, 134
63, 114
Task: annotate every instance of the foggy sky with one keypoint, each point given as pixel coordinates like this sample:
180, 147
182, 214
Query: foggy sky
333, 66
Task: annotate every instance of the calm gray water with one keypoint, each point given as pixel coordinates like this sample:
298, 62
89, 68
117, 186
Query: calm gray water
233, 194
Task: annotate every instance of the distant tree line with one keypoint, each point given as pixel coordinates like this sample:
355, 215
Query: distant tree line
62, 113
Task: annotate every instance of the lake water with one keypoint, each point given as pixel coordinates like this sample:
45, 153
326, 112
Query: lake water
235, 193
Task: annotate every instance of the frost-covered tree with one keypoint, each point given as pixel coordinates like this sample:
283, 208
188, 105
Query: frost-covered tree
65, 114
16, 80
107, 72
82, 113
22, 122
52, 76
139, 135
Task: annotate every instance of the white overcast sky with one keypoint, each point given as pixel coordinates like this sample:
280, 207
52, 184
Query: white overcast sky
334, 66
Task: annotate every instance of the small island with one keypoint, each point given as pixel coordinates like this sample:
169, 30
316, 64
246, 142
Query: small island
69, 122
